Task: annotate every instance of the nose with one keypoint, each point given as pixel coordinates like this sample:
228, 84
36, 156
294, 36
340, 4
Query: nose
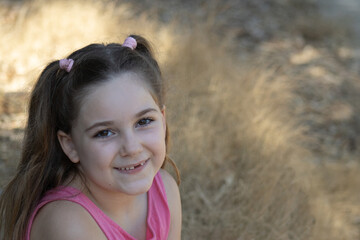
130, 144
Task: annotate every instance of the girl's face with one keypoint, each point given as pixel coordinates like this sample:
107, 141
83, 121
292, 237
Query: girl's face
118, 139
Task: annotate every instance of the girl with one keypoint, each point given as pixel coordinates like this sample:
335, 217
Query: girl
94, 148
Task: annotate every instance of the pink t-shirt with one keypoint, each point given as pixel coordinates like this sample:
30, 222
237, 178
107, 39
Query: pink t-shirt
158, 215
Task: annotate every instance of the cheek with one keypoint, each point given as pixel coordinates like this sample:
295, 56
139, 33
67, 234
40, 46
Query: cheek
162, 149
93, 153
156, 141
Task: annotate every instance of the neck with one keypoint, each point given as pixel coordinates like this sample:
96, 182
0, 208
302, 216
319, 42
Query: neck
116, 205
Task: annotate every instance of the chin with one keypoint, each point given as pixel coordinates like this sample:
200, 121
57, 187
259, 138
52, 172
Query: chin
139, 187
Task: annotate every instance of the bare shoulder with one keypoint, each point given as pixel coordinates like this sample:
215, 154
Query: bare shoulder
174, 201
171, 187
169, 181
61, 220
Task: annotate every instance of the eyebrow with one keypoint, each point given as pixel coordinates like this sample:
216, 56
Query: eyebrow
108, 123
105, 123
145, 111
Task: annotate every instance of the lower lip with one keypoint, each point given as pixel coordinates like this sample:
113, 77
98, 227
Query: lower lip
135, 170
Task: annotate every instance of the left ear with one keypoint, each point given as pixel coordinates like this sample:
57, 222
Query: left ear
163, 116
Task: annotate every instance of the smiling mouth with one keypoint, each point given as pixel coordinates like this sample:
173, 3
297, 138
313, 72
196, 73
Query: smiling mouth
129, 168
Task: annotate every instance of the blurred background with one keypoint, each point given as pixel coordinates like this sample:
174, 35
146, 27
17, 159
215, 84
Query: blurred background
263, 103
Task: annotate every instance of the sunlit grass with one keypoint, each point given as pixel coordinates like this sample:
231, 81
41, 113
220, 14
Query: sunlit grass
46, 30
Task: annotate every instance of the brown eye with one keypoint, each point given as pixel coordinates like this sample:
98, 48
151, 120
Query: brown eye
144, 122
104, 134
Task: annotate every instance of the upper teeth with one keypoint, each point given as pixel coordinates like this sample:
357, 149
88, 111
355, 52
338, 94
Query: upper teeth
130, 168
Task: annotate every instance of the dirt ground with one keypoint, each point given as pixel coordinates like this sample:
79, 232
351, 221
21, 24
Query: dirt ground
263, 104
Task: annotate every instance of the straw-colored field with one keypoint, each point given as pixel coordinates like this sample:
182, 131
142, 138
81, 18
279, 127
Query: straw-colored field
262, 105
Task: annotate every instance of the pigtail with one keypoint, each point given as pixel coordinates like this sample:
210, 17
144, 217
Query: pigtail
143, 46
145, 51
33, 177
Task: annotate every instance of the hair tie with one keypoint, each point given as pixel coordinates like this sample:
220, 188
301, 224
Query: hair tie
130, 42
66, 64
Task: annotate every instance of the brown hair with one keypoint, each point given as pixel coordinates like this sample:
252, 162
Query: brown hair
54, 104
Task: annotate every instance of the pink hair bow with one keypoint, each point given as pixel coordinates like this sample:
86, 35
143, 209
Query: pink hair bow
66, 64
130, 42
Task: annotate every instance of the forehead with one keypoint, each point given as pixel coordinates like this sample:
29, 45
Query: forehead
121, 96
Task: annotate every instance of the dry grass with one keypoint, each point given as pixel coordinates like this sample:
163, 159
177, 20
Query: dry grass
245, 171
238, 144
